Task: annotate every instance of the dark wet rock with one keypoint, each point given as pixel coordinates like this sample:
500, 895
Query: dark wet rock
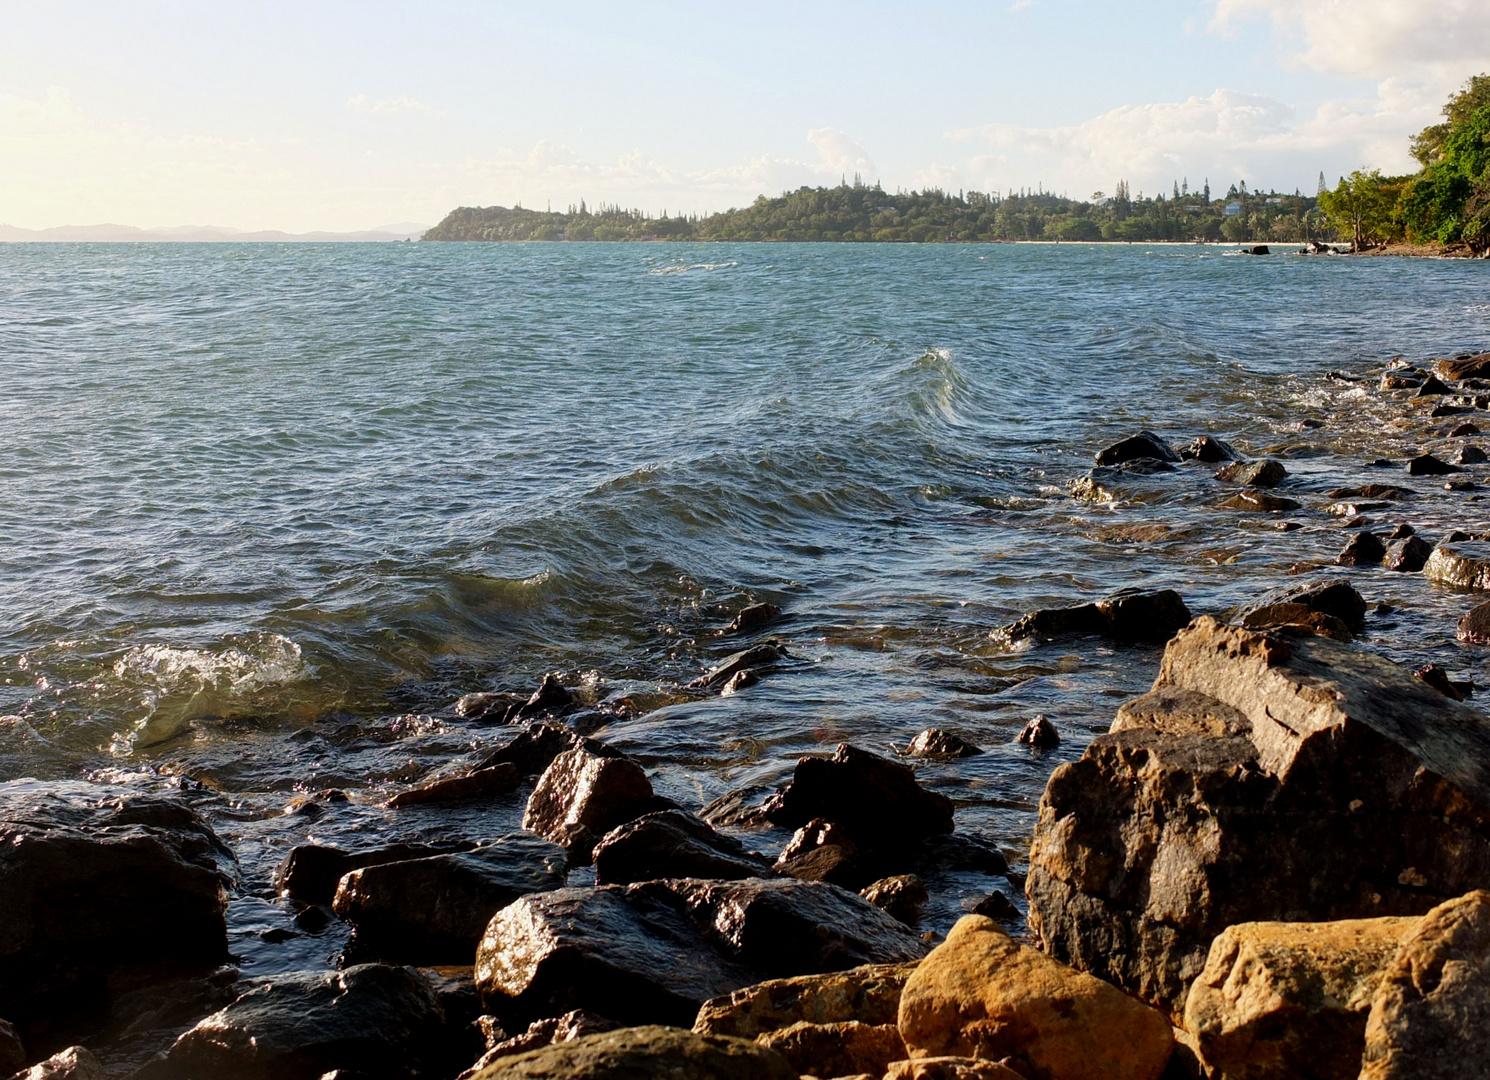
94, 880
1266, 473
1257, 249
1143, 445
1260, 502
1463, 431
550, 699
1296, 618
371, 1019
1381, 463
488, 706
1371, 491
1471, 455
1461, 485
1401, 380
1111, 483
74, 1063
1463, 367
533, 750
1211, 450
645, 1053
310, 872
1039, 733
434, 910
1354, 509
901, 895
740, 680
1428, 465
1475, 625
575, 1024
12, 1052
869, 994
660, 949
1464, 564
581, 796
998, 907
1407, 555
1438, 678
846, 1048
478, 784
764, 655
825, 851
1332, 597
1432, 387
1402, 532
672, 844
942, 745
1358, 792
1130, 615
877, 800
1364, 549
1288, 526
740, 808
957, 853
1182, 713
755, 617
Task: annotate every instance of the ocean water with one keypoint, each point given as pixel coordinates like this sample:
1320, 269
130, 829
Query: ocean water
267, 510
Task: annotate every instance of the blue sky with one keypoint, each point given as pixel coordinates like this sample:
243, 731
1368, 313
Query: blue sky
346, 116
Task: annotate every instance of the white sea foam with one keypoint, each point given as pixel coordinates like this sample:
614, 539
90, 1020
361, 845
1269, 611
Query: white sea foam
690, 267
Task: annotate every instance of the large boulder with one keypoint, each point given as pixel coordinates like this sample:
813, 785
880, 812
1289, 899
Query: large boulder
434, 910
645, 1053
981, 994
1431, 1014
870, 994
371, 1019
1355, 791
582, 795
1463, 564
1290, 999
672, 844
93, 879
657, 951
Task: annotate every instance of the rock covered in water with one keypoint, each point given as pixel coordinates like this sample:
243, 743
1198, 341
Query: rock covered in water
844, 1048
372, 1019
1039, 733
870, 994
757, 656
1464, 564
583, 795
486, 705
1290, 999
1259, 501
93, 879
434, 910
940, 745
477, 784
1364, 549
1430, 1017
1143, 445
981, 994
1110, 483
641, 1053
672, 844
754, 617
1265, 473
1355, 792
1210, 449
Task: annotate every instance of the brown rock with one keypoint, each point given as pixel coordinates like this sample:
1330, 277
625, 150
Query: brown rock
551, 698
484, 705
1267, 473
672, 844
1210, 449
645, 1053
1465, 564
843, 1048
1354, 509
1432, 387
757, 656
901, 895
870, 994
534, 748
1039, 733
583, 791
1181, 712
938, 744
1332, 597
1474, 626
1290, 999
950, 1068
1431, 1013
1296, 617
980, 994
482, 783
824, 851
999, 908
755, 617
1143, 445
1463, 367
1364, 549
1407, 555
74, 1063
1438, 678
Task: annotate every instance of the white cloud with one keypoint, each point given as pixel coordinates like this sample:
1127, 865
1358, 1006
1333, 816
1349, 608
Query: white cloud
386, 106
839, 152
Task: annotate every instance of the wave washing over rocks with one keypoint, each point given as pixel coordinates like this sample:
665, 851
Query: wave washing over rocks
1275, 864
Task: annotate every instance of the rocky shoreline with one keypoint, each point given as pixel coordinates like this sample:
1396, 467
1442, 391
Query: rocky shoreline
1273, 864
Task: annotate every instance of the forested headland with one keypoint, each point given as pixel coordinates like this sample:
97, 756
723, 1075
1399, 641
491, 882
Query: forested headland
1446, 205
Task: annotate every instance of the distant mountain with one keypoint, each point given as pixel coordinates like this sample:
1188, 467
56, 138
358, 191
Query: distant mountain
202, 234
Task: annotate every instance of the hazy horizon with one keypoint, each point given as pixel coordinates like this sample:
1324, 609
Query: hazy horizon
277, 118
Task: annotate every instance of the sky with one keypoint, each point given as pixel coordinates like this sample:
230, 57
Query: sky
345, 116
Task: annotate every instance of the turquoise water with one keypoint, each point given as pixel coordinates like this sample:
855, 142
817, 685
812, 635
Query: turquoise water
256, 496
